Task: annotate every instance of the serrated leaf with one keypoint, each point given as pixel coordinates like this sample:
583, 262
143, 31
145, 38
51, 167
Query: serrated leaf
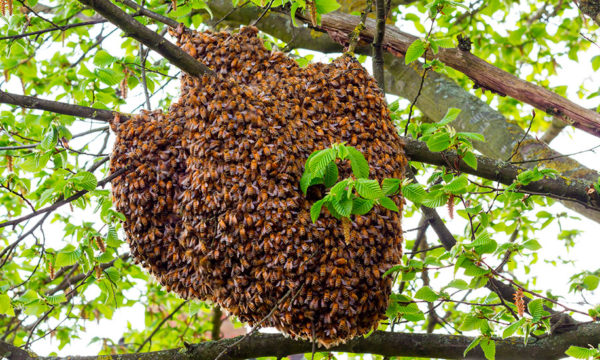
390, 185
484, 244
414, 51
489, 348
343, 207
319, 162
470, 159
315, 210
472, 345
29, 297
360, 166
112, 238
67, 258
427, 294
5, 305
368, 189
581, 353
450, 116
102, 58
445, 42
331, 174
362, 206
305, 181
536, 309
458, 284
85, 180
414, 192
471, 136
108, 76
393, 269
56, 299
50, 140
388, 203
438, 142
512, 328
112, 273
457, 185
435, 199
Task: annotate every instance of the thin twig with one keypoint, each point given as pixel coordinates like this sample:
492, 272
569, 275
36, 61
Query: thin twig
523, 138
214, 25
355, 35
160, 325
263, 13
143, 56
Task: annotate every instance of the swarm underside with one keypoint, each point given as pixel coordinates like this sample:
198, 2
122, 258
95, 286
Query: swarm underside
212, 196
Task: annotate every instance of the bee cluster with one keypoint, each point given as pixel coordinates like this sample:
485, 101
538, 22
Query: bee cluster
212, 198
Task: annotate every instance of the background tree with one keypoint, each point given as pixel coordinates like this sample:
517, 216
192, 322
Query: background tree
468, 284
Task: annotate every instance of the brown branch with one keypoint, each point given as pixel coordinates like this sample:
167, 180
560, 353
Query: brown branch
59, 28
216, 322
61, 202
380, 11
505, 173
152, 15
136, 30
381, 343
31, 102
483, 73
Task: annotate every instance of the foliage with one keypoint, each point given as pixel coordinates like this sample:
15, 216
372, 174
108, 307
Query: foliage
355, 195
70, 267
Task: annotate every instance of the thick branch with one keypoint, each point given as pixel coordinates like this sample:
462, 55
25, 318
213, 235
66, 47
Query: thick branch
484, 74
382, 343
31, 102
506, 173
136, 30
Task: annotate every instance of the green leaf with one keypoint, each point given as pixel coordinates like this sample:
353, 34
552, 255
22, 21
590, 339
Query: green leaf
388, 203
390, 185
414, 192
362, 206
512, 328
369, 189
457, 185
56, 299
112, 239
470, 159
103, 59
484, 244
50, 139
108, 76
343, 207
472, 345
450, 116
319, 162
471, 136
596, 62
360, 166
85, 180
67, 258
580, 352
591, 282
532, 245
438, 142
427, 294
305, 181
331, 175
315, 210
5, 305
458, 284
414, 51
536, 309
435, 199
489, 348
326, 6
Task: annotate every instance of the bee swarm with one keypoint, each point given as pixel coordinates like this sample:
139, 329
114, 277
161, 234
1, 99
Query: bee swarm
212, 198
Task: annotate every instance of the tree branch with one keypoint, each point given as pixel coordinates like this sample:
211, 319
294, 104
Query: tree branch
31, 102
382, 343
484, 74
136, 30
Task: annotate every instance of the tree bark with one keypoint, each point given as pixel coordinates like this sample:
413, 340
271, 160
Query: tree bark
381, 343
